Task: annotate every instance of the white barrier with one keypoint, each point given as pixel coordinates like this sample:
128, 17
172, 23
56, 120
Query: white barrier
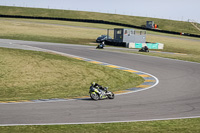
149, 45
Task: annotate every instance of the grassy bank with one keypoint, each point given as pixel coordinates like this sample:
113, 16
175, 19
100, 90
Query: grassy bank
27, 75
171, 126
47, 33
178, 26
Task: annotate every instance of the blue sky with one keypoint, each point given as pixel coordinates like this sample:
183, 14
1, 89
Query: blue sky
181, 10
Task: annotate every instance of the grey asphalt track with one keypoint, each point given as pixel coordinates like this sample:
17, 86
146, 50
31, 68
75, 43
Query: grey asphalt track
177, 95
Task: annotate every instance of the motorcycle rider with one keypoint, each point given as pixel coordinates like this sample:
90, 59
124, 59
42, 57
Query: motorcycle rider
146, 48
99, 87
102, 44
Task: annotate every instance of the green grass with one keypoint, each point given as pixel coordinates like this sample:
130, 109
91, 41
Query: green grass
28, 75
170, 126
63, 23
51, 31
164, 24
47, 33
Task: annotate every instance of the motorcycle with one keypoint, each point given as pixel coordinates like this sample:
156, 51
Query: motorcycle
100, 46
97, 94
143, 49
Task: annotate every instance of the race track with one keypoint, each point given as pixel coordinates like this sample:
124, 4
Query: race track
176, 96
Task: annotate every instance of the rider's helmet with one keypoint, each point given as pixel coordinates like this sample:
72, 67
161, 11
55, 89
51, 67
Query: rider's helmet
93, 83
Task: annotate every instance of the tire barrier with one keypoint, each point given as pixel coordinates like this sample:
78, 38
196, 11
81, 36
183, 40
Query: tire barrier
101, 22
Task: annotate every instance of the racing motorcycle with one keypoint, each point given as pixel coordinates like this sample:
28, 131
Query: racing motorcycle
97, 94
144, 49
100, 46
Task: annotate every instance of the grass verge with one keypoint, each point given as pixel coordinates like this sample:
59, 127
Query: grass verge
169, 126
47, 33
27, 75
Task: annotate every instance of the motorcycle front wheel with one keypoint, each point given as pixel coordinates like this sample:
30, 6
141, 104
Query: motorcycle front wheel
111, 95
94, 96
